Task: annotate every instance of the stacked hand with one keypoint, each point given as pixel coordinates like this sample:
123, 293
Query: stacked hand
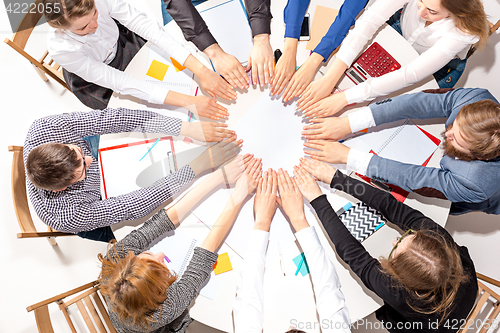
266, 201
321, 171
260, 60
215, 155
207, 107
315, 92
325, 107
285, 67
249, 180
291, 201
302, 77
328, 151
232, 170
333, 128
206, 131
306, 184
228, 66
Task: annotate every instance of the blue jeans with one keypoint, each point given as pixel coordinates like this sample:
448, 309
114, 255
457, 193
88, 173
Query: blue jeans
447, 76
103, 234
166, 16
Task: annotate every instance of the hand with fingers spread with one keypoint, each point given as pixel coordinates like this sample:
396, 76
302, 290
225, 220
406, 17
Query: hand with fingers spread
333, 128
207, 107
328, 151
249, 180
320, 170
326, 107
206, 131
302, 77
307, 185
291, 201
216, 155
232, 170
213, 84
228, 66
265, 201
285, 67
260, 60
315, 92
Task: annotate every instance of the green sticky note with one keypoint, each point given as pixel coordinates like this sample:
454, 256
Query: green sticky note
157, 70
304, 270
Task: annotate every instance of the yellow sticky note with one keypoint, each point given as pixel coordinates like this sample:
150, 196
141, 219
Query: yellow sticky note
178, 67
157, 70
223, 264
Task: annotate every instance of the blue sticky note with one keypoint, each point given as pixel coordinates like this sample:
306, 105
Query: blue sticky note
304, 270
347, 206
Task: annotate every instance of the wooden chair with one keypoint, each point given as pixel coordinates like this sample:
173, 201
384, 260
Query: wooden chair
483, 295
88, 303
20, 200
18, 43
493, 28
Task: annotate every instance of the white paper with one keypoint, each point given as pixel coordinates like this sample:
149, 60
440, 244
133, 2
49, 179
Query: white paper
403, 142
122, 172
229, 26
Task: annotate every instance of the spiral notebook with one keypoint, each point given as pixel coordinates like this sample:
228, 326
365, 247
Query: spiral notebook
361, 220
178, 247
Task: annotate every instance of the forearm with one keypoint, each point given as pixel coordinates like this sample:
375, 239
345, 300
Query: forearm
259, 15
334, 73
293, 16
224, 223
395, 211
191, 23
183, 207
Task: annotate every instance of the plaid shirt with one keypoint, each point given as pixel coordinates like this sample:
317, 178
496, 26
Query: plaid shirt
79, 207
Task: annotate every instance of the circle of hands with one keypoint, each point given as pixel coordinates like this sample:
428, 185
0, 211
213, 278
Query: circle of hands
317, 103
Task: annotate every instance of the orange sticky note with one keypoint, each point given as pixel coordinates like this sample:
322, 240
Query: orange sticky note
223, 264
157, 70
178, 67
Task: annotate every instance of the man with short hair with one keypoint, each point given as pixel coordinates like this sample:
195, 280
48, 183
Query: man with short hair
63, 176
470, 168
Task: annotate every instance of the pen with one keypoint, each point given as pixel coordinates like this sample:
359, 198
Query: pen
166, 258
277, 55
299, 266
281, 259
381, 185
154, 144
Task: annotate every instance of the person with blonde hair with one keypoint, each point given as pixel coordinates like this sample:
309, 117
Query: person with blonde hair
427, 282
469, 171
94, 41
142, 294
441, 31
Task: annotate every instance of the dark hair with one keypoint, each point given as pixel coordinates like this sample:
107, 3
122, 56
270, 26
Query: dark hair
431, 270
52, 166
480, 127
469, 17
135, 287
69, 10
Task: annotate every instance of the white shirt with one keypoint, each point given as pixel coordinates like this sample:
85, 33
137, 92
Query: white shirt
437, 44
249, 303
357, 160
88, 56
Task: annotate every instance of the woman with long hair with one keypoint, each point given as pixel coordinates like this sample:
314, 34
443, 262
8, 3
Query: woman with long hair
94, 41
427, 282
143, 295
441, 31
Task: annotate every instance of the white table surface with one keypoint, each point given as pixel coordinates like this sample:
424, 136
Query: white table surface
290, 297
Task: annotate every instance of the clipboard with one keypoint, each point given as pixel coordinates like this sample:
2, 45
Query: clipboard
122, 172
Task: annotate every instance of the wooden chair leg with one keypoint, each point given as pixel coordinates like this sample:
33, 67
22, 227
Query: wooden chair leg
52, 241
41, 73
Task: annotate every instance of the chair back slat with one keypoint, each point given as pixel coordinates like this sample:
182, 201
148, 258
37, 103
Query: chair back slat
42, 318
19, 195
103, 311
86, 316
68, 318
